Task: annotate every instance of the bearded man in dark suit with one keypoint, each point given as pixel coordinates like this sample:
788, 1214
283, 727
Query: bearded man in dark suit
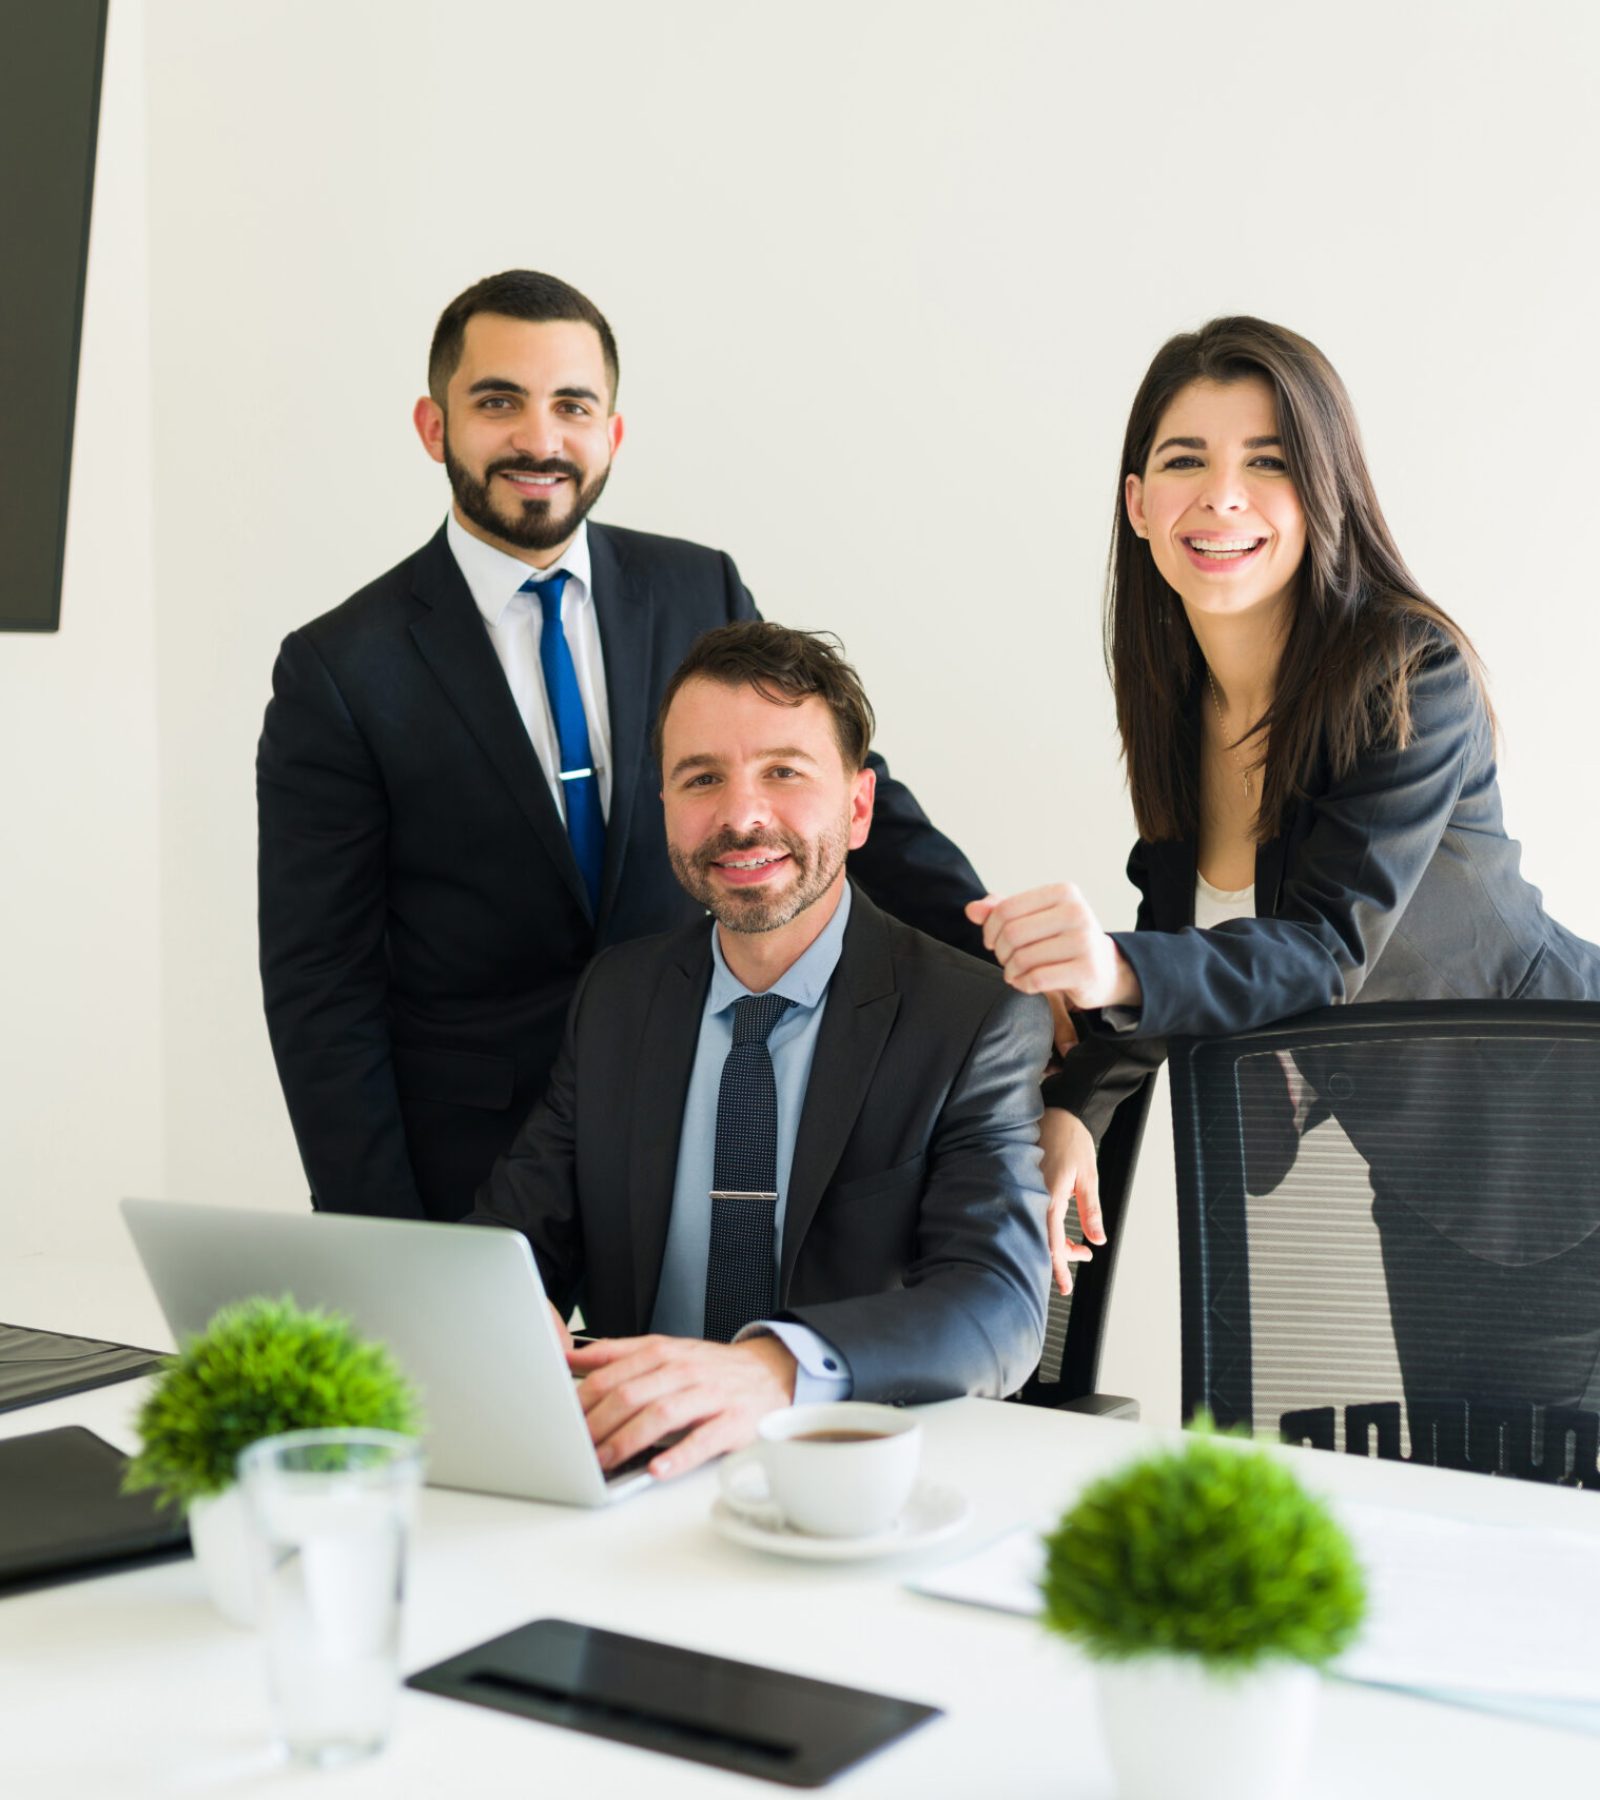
456, 800
788, 1153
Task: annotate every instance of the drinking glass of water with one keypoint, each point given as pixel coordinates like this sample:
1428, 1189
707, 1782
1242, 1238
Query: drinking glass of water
333, 1512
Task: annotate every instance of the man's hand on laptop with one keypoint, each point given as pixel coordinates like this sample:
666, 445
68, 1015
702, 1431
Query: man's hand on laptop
637, 1391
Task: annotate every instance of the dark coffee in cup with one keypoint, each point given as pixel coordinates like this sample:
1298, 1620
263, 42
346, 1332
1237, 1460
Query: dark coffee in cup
854, 1492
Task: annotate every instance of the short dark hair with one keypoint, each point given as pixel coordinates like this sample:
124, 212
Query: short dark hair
514, 294
783, 665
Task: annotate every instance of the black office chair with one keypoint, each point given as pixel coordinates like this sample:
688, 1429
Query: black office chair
1075, 1326
1389, 1233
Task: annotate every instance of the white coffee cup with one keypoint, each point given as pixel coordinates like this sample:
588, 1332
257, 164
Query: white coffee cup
843, 1469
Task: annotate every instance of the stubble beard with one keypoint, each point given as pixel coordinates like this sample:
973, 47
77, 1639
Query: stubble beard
816, 867
539, 527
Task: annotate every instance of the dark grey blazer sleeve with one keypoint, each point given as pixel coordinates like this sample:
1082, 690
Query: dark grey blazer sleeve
323, 840
1371, 838
1098, 1074
970, 1316
908, 866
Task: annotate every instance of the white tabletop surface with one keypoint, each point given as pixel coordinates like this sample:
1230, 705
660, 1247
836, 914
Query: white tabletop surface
130, 1685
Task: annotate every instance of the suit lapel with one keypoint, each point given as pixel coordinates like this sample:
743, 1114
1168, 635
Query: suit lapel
664, 1061
1172, 875
862, 1004
1269, 877
623, 609
452, 639
1172, 866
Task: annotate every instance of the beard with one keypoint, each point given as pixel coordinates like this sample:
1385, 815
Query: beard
816, 865
536, 524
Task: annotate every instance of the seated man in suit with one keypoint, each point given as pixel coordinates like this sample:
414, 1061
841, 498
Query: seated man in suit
791, 1154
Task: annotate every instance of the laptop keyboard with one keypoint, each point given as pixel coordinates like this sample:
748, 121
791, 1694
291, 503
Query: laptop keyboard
633, 1466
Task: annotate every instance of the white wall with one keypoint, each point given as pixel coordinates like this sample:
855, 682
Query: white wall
885, 276
81, 1080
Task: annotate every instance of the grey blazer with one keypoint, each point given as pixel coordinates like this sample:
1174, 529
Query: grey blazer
914, 1229
1395, 882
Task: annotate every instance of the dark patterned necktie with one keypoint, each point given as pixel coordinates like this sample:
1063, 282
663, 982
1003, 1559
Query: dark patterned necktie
740, 1266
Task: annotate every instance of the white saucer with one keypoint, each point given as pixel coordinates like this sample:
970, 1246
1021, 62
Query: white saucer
932, 1514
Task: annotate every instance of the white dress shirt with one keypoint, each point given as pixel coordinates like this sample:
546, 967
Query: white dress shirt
514, 620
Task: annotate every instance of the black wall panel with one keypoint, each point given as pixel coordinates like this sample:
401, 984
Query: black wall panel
51, 53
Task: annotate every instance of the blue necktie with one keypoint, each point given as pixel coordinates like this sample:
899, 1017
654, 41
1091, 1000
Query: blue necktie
740, 1279
580, 780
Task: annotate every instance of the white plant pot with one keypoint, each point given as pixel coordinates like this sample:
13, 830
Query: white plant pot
1174, 1727
225, 1548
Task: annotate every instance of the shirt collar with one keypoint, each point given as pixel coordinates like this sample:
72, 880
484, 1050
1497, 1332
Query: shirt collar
494, 577
806, 979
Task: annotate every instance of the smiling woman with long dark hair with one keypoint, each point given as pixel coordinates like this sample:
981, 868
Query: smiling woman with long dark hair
1309, 746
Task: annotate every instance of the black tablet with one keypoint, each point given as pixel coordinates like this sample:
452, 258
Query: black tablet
733, 1715
63, 1514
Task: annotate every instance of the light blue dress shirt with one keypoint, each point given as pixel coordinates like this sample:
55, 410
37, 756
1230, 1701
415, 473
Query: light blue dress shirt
680, 1306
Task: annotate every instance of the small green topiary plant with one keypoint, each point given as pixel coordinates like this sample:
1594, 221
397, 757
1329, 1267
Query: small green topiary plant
259, 1368
1212, 1551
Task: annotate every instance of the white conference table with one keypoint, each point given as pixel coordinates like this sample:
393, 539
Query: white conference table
130, 1685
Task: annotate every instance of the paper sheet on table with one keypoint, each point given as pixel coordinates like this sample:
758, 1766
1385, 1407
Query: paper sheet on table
1503, 1610
1501, 1615
1003, 1575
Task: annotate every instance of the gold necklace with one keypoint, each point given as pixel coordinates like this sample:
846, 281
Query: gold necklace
1246, 770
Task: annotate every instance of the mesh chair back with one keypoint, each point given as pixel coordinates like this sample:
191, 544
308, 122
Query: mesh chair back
1075, 1324
1389, 1233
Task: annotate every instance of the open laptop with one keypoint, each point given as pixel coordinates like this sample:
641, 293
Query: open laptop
461, 1306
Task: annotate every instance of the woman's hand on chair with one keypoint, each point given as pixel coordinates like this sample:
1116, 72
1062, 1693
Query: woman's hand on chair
1072, 1175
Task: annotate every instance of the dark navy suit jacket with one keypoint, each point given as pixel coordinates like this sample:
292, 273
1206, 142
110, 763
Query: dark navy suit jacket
423, 922
913, 1235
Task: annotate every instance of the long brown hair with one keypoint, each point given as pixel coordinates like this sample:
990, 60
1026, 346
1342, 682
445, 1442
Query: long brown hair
1358, 629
